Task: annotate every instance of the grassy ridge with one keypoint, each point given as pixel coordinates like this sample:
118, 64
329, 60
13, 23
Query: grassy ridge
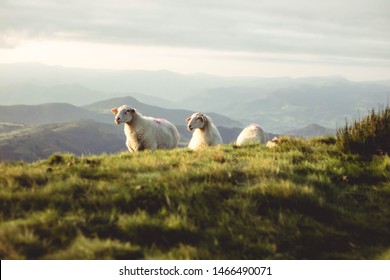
367, 136
302, 200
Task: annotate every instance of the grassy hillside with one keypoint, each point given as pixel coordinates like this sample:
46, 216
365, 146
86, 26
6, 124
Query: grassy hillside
85, 137
302, 200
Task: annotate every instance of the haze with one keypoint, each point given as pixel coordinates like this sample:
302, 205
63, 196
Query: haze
274, 38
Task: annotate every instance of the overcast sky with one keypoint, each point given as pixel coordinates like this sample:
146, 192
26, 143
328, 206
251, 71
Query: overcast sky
266, 38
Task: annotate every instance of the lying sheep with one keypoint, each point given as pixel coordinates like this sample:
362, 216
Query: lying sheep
205, 134
146, 132
252, 134
273, 143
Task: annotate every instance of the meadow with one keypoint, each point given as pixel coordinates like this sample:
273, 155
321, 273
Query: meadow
305, 199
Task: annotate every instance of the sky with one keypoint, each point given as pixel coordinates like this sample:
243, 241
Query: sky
266, 38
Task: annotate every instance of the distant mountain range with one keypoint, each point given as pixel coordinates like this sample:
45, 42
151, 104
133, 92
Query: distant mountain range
46, 113
312, 130
99, 111
328, 104
44, 109
175, 116
277, 104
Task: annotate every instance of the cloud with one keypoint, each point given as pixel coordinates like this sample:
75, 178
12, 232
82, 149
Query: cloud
355, 29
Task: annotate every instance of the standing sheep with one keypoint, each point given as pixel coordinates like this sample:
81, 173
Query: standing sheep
205, 134
146, 132
252, 134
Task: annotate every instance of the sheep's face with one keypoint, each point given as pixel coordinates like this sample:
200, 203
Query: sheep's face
197, 120
123, 114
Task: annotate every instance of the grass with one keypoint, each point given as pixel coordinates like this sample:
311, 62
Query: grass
367, 136
305, 199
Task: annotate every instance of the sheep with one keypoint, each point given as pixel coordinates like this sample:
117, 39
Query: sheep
273, 143
252, 134
145, 132
205, 134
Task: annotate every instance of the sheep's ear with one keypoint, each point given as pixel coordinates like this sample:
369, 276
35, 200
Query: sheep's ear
188, 119
132, 110
114, 110
204, 119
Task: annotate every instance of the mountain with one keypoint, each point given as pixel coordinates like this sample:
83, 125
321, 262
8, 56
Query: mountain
46, 113
32, 94
163, 84
176, 116
151, 100
9, 127
75, 94
31, 143
312, 130
99, 111
277, 104
328, 102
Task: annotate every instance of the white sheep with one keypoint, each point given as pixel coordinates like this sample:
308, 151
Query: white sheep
205, 134
252, 134
273, 143
146, 132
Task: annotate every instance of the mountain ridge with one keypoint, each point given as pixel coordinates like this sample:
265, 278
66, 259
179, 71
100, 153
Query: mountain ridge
100, 111
279, 104
312, 130
45, 113
176, 116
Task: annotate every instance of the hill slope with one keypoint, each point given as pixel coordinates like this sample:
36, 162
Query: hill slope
312, 130
31, 143
302, 200
99, 111
46, 113
176, 116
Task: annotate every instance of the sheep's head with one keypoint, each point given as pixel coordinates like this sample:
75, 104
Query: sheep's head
197, 120
123, 114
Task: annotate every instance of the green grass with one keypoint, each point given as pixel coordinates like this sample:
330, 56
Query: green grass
367, 136
305, 199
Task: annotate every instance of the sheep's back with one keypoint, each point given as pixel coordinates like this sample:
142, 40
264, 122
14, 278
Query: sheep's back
166, 134
251, 135
151, 133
